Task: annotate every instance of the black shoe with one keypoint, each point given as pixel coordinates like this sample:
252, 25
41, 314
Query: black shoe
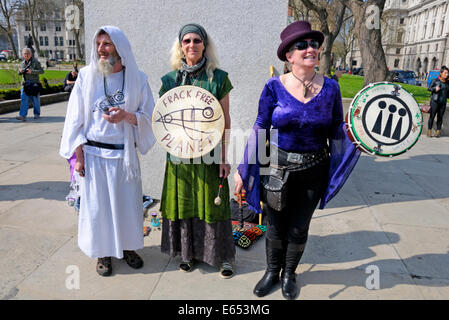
132, 259
288, 286
275, 258
263, 287
104, 266
288, 277
186, 266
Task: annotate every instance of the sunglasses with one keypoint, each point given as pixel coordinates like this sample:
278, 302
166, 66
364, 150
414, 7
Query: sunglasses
195, 41
304, 44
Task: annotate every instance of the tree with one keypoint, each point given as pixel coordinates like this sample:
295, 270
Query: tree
345, 39
35, 12
367, 14
8, 9
299, 10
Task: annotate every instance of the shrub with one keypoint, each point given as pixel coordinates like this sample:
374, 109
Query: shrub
10, 94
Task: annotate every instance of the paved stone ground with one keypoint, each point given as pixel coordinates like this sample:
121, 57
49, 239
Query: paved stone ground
392, 216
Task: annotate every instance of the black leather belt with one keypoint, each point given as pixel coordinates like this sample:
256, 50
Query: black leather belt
105, 145
298, 161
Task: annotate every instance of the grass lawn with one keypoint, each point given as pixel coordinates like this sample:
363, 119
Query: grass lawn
9, 76
350, 85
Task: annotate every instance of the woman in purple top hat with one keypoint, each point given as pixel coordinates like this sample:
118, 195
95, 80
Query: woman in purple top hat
310, 154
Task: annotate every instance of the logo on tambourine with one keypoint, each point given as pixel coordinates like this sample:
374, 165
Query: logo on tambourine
384, 119
188, 122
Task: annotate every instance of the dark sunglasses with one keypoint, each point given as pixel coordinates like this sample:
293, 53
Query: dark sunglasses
195, 41
304, 44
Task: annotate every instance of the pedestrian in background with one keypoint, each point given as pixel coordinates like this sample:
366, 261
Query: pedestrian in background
30, 69
439, 88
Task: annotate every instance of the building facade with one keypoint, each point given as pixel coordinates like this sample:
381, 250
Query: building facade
56, 41
415, 35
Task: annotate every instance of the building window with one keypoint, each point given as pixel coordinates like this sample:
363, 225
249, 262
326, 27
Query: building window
43, 27
436, 47
400, 36
396, 63
46, 41
58, 28
27, 28
56, 41
398, 50
61, 41
401, 21
41, 41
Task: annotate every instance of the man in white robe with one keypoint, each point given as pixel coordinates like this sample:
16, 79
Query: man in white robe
108, 119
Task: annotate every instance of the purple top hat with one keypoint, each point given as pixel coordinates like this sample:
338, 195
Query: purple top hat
294, 32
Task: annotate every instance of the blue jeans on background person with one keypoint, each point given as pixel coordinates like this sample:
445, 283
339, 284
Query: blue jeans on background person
24, 103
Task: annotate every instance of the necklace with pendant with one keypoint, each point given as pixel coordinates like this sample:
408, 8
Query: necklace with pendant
117, 96
306, 87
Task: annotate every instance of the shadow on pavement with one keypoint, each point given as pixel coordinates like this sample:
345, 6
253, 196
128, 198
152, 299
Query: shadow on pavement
30, 119
376, 181
437, 277
49, 190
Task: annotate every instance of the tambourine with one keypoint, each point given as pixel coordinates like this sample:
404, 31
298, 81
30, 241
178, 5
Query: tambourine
384, 119
188, 122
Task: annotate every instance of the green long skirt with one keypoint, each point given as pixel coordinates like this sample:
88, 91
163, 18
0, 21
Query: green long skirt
193, 226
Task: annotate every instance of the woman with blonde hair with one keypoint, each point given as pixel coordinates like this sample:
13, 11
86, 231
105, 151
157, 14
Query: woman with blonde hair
193, 226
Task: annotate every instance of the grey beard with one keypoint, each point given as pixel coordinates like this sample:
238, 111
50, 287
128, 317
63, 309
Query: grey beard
105, 67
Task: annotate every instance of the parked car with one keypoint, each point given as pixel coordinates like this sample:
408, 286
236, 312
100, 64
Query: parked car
6, 53
356, 71
2, 57
405, 76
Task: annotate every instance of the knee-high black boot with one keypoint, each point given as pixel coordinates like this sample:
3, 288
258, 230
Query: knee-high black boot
288, 278
275, 257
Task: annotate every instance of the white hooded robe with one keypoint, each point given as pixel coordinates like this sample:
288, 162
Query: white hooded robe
111, 212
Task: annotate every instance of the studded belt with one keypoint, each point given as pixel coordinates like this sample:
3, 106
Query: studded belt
297, 161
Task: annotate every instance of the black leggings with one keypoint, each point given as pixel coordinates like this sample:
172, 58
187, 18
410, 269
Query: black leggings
436, 110
304, 190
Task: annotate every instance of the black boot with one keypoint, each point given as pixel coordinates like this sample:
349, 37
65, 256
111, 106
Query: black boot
274, 252
288, 278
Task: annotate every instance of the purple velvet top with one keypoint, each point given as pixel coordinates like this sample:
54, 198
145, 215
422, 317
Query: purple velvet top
301, 127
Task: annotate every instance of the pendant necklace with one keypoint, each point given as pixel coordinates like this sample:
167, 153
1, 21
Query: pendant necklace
306, 87
117, 96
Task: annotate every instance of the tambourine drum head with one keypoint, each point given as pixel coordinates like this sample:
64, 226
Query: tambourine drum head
188, 122
384, 119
